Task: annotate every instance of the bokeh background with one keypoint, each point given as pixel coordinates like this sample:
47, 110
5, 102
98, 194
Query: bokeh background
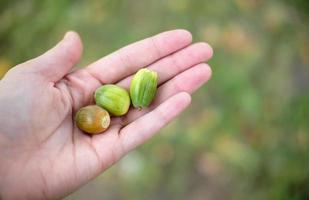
246, 134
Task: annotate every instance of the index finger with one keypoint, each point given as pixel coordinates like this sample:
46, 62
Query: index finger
129, 59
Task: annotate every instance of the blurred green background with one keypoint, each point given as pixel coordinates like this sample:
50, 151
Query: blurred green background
246, 134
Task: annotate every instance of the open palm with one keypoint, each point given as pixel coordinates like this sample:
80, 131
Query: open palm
43, 155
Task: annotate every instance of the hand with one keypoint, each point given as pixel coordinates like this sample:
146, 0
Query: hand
43, 155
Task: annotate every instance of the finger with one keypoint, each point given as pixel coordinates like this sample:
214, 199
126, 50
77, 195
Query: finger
176, 63
188, 81
145, 127
166, 68
127, 60
58, 61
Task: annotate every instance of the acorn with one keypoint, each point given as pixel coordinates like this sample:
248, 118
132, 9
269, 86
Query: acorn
92, 119
143, 88
114, 99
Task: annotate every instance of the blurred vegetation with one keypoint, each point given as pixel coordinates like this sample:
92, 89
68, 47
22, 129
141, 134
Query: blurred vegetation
245, 135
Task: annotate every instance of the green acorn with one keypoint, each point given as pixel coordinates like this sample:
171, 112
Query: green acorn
113, 98
143, 88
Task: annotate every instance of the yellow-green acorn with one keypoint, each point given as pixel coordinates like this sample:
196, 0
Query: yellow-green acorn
143, 88
114, 99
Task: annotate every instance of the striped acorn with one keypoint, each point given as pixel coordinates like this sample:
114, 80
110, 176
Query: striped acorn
143, 88
113, 98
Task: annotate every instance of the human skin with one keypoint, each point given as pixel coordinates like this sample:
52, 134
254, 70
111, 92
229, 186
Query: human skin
43, 155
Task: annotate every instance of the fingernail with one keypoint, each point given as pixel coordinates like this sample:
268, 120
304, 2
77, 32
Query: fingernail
67, 35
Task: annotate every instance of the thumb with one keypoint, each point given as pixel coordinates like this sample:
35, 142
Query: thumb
58, 61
